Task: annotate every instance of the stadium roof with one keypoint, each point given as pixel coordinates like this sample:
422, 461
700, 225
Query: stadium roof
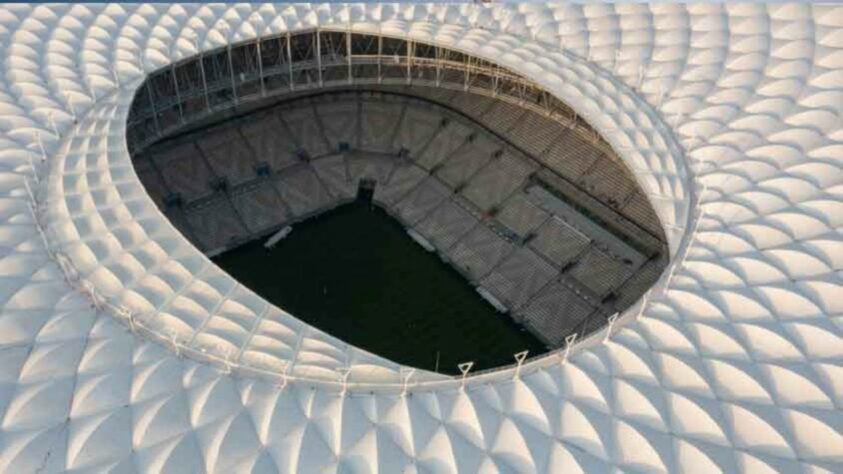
124, 348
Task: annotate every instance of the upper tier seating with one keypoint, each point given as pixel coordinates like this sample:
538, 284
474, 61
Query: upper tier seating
340, 122
228, 154
152, 181
271, 141
498, 180
302, 124
417, 127
378, 124
185, 171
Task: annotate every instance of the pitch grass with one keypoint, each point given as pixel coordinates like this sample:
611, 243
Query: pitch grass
354, 273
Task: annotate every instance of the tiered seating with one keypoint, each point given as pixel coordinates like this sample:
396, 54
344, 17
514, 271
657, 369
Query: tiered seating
602, 211
559, 242
370, 166
379, 122
520, 215
467, 160
502, 116
497, 180
565, 151
534, 133
215, 224
421, 200
569, 155
333, 171
340, 122
446, 141
155, 187
479, 251
470, 207
301, 122
417, 127
519, 277
403, 179
599, 271
184, 171
638, 209
228, 154
179, 221
555, 312
443, 96
608, 182
260, 208
470, 104
272, 143
301, 189
643, 279
446, 224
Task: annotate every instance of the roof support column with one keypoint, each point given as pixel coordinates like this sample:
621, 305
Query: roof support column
409, 61
260, 68
178, 94
380, 58
438, 66
204, 81
290, 62
231, 74
348, 56
319, 57
152, 104
466, 66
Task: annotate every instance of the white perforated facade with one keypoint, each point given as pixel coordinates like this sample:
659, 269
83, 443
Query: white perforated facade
123, 348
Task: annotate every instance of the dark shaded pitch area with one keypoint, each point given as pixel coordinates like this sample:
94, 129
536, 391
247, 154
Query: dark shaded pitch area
354, 273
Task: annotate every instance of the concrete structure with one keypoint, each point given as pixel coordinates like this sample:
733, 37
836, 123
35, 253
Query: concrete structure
496, 212
124, 349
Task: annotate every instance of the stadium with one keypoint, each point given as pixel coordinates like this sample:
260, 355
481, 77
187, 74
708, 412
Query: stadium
644, 200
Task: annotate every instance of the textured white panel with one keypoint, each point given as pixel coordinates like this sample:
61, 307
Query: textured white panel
728, 115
